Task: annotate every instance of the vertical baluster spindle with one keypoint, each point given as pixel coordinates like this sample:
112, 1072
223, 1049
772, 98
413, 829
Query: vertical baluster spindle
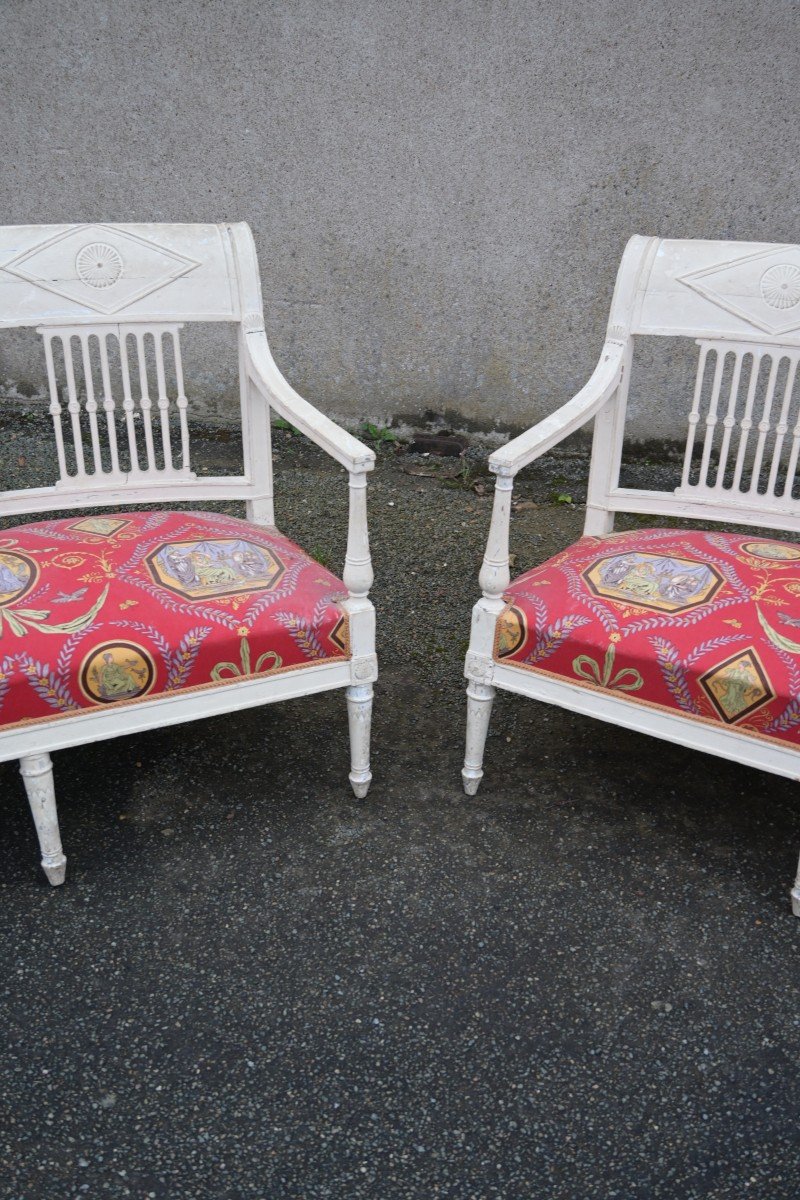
782, 427
127, 403
108, 403
163, 398
711, 416
91, 403
73, 405
145, 403
791, 469
694, 415
764, 425
182, 402
747, 419
55, 405
729, 421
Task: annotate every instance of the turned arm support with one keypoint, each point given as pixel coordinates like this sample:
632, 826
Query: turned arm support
357, 575
495, 574
281, 396
341, 445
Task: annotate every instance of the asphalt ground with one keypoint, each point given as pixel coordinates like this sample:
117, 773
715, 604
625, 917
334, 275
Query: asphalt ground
581, 983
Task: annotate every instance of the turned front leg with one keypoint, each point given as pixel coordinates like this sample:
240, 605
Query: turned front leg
480, 697
494, 578
357, 577
359, 713
37, 775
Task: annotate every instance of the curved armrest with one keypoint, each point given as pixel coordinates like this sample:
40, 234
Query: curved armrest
329, 436
576, 412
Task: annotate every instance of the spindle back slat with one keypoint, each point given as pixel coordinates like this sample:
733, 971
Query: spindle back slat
109, 406
91, 403
745, 382
75, 349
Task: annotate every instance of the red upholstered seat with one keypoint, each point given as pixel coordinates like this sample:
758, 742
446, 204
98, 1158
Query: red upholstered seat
706, 623
113, 609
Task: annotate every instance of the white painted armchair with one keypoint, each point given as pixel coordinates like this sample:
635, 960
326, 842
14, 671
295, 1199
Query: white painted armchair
134, 620
689, 635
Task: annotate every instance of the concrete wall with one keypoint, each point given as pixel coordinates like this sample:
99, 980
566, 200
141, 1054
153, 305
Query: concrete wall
440, 191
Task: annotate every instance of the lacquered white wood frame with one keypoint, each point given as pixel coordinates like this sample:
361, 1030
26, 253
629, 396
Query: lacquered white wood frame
178, 274
730, 297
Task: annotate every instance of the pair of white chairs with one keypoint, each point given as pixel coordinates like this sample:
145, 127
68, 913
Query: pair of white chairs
122, 622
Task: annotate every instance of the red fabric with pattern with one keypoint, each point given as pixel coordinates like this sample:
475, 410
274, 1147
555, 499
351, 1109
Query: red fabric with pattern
112, 609
701, 622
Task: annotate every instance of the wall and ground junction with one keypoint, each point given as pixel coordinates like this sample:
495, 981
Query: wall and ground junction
440, 193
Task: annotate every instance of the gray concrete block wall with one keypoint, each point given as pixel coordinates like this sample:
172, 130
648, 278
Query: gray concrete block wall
440, 192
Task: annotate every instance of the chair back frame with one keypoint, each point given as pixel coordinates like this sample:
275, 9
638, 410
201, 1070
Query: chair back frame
109, 302
740, 302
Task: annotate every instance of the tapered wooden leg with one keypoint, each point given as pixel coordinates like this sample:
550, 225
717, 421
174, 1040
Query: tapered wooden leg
479, 709
359, 712
795, 894
37, 774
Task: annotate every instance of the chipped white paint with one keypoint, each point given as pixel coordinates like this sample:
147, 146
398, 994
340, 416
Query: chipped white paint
108, 302
359, 709
37, 775
741, 304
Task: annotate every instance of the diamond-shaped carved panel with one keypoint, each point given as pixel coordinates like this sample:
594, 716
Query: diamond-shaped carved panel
102, 267
763, 289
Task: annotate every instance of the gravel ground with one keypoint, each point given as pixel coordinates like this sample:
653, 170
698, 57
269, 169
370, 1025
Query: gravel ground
580, 984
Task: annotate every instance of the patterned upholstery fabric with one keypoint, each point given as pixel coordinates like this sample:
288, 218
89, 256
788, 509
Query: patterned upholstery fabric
113, 609
705, 623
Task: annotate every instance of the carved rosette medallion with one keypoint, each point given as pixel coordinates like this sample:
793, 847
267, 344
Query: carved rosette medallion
98, 265
780, 285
